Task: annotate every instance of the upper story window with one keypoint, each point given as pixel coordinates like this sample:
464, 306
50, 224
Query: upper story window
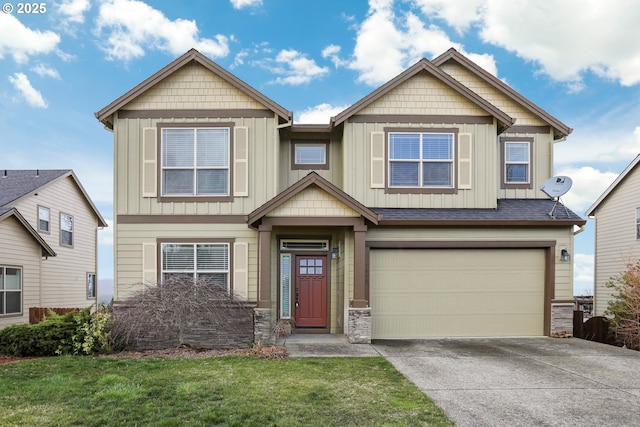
195, 161
44, 219
421, 160
200, 261
516, 162
310, 155
66, 230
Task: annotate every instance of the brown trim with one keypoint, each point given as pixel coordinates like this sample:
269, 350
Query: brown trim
549, 246
181, 219
195, 114
194, 198
529, 129
328, 221
503, 178
309, 166
359, 268
421, 118
264, 266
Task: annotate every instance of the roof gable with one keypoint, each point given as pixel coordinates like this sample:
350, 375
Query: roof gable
312, 179
424, 66
614, 185
560, 129
105, 114
6, 213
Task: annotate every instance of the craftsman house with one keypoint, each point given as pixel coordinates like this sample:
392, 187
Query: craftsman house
48, 243
415, 212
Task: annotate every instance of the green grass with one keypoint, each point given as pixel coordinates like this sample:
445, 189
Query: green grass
220, 391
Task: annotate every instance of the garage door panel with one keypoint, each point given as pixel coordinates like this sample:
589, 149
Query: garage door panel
457, 292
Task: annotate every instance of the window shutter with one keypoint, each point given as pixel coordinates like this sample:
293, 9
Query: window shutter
149, 170
377, 159
241, 269
465, 151
149, 274
241, 161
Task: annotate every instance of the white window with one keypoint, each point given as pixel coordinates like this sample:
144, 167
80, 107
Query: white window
285, 286
310, 154
44, 219
195, 161
10, 290
421, 160
91, 285
200, 261
517, 162
66, 230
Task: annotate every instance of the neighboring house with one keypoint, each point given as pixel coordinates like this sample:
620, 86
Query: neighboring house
48, 243
617, 232
415, 212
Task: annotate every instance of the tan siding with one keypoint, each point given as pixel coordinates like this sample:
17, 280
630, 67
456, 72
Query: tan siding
313, 202
64, 277
19, 249
616, 242
288, 176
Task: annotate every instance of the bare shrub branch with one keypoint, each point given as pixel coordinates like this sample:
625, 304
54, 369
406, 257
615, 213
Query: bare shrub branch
624, 309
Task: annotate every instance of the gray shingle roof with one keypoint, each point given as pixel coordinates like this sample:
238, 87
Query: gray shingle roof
508, 210
16, 183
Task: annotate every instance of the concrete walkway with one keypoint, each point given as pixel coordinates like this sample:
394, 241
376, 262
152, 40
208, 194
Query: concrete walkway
508, 381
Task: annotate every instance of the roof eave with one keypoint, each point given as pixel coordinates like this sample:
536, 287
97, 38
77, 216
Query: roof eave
47, 251
483, 223
592, 209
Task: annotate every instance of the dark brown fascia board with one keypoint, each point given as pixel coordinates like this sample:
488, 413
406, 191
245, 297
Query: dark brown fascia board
458, 244
425, 65
311, 179
482, 223
181, 219
306, 128
192, 55
452, 54
47, 251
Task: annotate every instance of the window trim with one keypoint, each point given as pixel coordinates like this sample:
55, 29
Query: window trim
73, 226
194, 198
306, 166
503, 165
453, 189
95, 286
40, 230
196, 241
21, 291
637, 223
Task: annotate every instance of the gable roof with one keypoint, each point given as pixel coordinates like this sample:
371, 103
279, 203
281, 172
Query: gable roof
311, 179
560, 129
16, 184
192, 55
424, 65
591, 211
12, 212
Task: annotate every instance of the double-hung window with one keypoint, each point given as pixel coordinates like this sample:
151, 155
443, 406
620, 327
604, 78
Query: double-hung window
199, 261
44, 219
10, 290
421, 160
66, 230
195, 161
517, 162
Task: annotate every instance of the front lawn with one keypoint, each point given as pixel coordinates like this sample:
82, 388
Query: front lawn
225, 391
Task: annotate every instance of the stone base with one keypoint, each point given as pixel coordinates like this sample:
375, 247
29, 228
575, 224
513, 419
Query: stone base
359, 327
561, 319
262, 328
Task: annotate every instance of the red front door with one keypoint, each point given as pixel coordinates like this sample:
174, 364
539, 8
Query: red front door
311, 291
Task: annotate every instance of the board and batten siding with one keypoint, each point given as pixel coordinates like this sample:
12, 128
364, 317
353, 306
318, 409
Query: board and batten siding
563, 270
615, 236
478, 192
288, 175
64, 277
18, 248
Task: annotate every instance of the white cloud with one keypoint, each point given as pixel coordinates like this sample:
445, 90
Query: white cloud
130, 26
588, 184
320, 114
74, 10
296, 68
22, 42
459, 14
583, 274
239, 4
105, 236
594, 144
332, 52
45, 71
22, 84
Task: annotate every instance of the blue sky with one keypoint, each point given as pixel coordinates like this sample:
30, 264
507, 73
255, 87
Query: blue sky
577, 59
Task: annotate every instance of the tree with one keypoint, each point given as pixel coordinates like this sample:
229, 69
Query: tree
624, 308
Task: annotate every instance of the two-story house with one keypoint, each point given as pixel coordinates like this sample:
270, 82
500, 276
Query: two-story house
48, 243
415, 212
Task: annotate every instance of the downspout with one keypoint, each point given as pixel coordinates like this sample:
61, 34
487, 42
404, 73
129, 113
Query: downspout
276, 138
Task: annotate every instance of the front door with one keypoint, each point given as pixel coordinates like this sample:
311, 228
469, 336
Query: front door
311, 291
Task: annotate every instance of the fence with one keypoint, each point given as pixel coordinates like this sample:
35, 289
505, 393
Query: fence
38, 314
594, 329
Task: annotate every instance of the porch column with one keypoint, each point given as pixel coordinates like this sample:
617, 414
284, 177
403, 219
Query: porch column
359, 291
264, 275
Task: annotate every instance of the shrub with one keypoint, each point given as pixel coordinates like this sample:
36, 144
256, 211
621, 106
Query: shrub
624, 308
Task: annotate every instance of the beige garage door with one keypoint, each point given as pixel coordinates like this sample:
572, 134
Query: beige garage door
418, 293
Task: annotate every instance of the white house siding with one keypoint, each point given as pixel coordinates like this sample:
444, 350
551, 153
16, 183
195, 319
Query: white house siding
64, 277
615, 236
19, 249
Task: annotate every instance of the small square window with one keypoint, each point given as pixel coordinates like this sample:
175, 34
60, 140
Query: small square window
310, 155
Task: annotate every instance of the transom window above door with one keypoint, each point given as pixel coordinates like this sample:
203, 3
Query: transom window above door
421, 160
195, 161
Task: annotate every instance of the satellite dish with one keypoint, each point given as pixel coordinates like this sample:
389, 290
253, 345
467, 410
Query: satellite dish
556, 186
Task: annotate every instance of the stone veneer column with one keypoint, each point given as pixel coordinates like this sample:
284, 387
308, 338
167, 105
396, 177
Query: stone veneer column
562, 318
359, 322
359, 327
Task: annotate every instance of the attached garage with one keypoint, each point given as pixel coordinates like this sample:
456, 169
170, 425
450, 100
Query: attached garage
441, 292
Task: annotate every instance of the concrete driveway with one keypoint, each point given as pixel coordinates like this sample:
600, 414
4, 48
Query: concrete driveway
523, 381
